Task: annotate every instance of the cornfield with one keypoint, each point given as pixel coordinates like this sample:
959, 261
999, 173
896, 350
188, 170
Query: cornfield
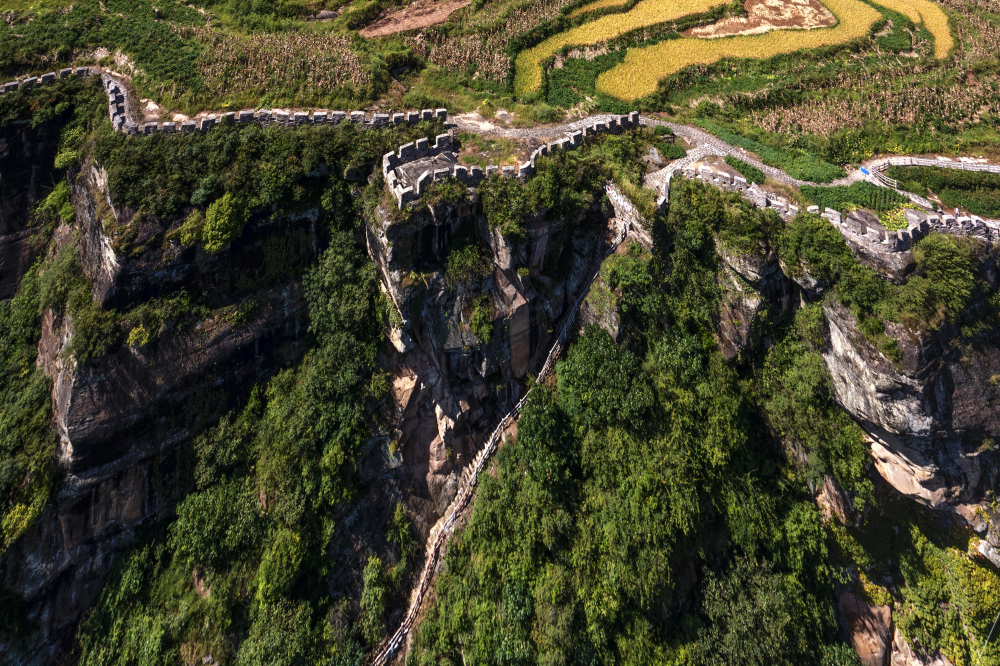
593, 6
497, 24
231, 63
644, 14
933, 18
645, 67
890, 97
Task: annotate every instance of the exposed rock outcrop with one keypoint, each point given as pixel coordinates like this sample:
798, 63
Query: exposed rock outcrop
122, 417
866, 628
903, 654
930, 417
121, 420
130, 261
755, 291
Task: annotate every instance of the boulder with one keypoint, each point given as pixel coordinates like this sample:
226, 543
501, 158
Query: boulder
866, 628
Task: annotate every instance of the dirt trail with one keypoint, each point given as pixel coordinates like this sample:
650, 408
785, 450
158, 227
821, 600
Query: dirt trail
420, 14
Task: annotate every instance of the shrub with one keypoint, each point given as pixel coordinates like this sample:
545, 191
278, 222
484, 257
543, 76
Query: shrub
191, 231
467, 263
279, 566
796, 163
504, 204
138, 336
543, 113
676, 152
57, 204
224, 221
481, 321
811, 241
447, 191
748, 171
27, 441
373, 601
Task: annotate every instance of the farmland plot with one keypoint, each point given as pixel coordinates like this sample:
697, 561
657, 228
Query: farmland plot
594, 6
932, 16
645, 67
646, 13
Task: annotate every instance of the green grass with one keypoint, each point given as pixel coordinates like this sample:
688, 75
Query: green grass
796, 162
976, 191
748, 171
858, 195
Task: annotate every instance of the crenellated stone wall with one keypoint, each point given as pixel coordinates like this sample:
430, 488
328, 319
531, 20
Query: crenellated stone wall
32, 81
472, 176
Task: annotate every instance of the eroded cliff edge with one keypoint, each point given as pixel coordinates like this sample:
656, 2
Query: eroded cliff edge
122, 418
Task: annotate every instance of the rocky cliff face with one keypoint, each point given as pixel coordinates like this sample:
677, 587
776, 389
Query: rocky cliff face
932, 417
450, 387
26, 157
130, 261
925, 428
754, 292
123, 418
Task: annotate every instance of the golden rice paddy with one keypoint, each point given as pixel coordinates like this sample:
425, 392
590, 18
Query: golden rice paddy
593, 6
648, 12
645, 67
932, 16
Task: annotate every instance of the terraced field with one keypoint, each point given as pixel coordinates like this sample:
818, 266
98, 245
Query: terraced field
928, 13
594, 6
648, 12
645, 67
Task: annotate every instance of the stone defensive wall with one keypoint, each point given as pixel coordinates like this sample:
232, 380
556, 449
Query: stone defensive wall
32, 81
726, 178
880, 167
472, 176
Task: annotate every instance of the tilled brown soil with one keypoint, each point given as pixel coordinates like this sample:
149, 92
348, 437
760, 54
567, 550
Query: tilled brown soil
420, 14
766, 15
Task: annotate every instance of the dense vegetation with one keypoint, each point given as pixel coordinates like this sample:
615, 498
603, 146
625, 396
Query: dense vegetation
27, 443
260, 491
580, 548
976, 191
748, 171
272, 169
950, 284
796, 162
656, 506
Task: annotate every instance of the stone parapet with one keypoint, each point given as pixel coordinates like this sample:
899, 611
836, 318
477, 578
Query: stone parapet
472, 176
44, 79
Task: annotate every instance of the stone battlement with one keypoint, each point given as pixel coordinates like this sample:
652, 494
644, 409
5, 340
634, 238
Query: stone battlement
726, 178
408, 153
32, 81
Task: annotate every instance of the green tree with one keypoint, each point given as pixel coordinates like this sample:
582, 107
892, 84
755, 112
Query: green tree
224, 222
504, 203
373, 602
279, 566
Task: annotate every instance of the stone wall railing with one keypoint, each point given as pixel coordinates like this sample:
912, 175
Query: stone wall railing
883, 165
724, 180
32, 81
474, 175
